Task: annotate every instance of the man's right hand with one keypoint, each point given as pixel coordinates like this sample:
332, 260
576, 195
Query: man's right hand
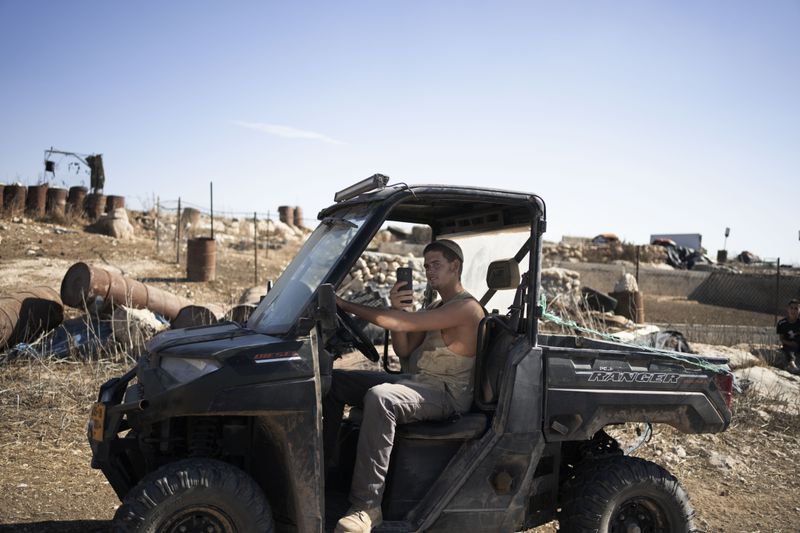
398, 295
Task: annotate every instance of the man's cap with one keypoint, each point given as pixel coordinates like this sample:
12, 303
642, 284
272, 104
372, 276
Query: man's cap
445, 243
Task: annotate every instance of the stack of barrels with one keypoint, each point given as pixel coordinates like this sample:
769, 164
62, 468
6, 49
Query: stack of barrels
291, 215
40, 201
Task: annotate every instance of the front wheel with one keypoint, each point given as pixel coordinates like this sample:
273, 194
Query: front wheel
624, 495
194, 495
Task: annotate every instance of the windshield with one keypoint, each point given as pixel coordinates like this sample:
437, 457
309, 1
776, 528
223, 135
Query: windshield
282, 306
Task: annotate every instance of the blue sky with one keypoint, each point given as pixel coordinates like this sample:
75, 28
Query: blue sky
631, 117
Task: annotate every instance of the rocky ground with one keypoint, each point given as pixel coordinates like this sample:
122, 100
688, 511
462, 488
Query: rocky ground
744, 479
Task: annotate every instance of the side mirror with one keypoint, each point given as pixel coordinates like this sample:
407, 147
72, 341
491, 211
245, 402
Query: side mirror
326, 307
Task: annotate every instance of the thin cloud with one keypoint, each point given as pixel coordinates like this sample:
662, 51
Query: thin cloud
286, 132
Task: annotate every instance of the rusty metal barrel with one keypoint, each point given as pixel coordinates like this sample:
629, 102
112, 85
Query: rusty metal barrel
198, 315
83, 283
26, 314
114, 202
286, 214
630, 305
240, 313
56, 202
201, 259
36, 201
76, 200
14, 199
298, 216
95, 205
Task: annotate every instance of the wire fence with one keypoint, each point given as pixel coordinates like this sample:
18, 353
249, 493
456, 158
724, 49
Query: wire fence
176, 222
725, 304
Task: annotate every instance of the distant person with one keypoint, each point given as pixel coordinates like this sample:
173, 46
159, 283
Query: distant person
789, 333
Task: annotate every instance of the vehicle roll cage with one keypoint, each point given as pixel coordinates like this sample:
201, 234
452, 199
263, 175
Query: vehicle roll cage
452, 210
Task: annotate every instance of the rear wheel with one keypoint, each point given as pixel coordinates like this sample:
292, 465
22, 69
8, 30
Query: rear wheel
624, 495
194, 496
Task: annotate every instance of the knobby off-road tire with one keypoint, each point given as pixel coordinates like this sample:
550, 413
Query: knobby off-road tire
194, 495
624, 494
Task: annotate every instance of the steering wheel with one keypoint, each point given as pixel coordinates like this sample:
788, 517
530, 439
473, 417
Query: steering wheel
362, 343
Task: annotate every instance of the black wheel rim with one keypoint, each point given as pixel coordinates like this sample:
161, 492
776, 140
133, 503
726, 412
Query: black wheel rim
639, 515
201, 519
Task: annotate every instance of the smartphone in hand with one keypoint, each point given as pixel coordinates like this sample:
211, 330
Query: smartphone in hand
405, 274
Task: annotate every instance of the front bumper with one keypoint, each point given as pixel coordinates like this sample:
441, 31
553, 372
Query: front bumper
114, 453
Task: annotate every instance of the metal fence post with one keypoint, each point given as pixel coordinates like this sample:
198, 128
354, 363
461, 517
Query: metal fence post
178, 234
269, 234
255, 249
777, 290
158, 209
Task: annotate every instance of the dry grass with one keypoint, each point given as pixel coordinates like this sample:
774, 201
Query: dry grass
44, 454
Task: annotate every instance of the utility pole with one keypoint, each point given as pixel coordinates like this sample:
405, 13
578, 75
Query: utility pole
158, 209
211, 192
255, 249
178, 234
777, 290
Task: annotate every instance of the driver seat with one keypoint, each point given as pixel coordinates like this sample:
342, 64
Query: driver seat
495, 335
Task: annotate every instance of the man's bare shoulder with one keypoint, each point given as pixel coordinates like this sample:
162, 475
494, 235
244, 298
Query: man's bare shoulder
471, 306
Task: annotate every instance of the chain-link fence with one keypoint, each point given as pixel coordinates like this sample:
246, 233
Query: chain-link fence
714, 304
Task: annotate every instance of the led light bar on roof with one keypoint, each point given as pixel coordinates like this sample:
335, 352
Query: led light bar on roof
372, 183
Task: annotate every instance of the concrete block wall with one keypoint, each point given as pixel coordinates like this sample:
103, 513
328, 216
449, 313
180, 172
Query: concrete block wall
752, 292
603, 277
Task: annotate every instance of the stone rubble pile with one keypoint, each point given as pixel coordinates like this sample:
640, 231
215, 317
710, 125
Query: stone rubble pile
626, 283
560, 281
563, 252
378, 270
235, 233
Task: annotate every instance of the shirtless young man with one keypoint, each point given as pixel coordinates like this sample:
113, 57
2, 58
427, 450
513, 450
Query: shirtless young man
441, 341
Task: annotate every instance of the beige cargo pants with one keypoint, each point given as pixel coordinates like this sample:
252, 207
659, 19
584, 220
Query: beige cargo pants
387, 400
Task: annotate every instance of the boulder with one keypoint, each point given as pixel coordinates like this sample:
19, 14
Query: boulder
114, 224
779, 387
626, 283
737, 357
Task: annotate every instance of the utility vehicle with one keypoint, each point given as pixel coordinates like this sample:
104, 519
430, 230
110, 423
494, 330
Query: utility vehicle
218, 428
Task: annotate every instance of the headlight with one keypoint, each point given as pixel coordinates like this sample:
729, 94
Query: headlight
184, 370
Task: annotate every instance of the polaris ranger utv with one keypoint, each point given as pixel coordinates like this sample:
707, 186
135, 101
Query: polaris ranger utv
219, 428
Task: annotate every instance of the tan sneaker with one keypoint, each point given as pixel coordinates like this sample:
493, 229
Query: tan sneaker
359, 520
